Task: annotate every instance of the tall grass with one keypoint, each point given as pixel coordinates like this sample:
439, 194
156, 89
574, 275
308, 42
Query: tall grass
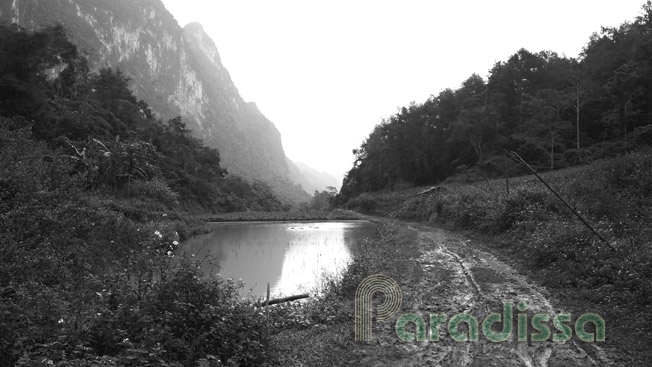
89, 277
531, 225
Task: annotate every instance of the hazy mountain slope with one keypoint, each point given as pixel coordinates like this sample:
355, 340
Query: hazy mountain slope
309, 178
177, 71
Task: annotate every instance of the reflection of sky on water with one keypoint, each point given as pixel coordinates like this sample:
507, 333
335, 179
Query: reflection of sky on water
293, 257
313, 252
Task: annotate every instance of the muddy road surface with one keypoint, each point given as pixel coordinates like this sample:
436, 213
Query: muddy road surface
455, 277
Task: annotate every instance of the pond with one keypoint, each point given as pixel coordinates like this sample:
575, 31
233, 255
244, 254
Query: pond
293, 257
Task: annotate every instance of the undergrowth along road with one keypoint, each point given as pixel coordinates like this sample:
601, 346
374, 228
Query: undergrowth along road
446, 273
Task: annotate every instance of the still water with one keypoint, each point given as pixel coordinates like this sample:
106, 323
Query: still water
292, 257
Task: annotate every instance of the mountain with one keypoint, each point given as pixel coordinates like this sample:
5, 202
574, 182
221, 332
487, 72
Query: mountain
177, 71
310, 179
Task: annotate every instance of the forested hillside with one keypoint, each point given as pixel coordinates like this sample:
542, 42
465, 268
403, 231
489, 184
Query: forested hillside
177, 71
553, 110
95, 130
91, 184
309, 178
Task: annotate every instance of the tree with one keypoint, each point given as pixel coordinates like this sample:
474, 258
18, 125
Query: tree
579, 96
29, 60
476, 123
624, 87
545, 109
529, 103
323, 200
510, 81
473, 128
177, 126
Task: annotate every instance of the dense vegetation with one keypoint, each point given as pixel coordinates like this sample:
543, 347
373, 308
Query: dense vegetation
324, 200
91, 187
531, 226
558, 113
554, 111
95, 123
165, 61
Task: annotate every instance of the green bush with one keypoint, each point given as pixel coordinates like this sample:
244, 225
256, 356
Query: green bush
614, 195
89, 184
155, 189
181, 318
578, 156
365, 203
524, 204
88, 278
172, 317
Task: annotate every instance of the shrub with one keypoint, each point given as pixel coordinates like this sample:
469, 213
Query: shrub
181, 318
524, 204
156, 189
578, 156
365, 203
610, 149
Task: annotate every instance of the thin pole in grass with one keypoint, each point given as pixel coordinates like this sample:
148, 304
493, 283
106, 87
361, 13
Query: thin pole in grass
267, 301
506, 173
522, 161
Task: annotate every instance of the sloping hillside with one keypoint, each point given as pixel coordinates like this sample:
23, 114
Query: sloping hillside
177, 71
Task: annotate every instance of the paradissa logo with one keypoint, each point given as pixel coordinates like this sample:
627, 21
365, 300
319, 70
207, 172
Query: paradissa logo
539, 322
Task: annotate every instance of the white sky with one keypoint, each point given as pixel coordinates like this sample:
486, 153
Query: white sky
326, 72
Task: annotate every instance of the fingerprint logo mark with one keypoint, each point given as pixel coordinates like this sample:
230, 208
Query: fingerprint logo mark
364, 305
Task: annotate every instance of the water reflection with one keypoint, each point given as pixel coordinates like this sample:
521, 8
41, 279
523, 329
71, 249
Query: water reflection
292, 257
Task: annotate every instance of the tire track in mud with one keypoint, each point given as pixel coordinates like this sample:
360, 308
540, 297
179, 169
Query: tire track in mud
460, 279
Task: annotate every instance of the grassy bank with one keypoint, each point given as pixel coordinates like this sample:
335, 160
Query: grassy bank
88, 275
93, 281
534, 229
336, 214
320, 332
93, 189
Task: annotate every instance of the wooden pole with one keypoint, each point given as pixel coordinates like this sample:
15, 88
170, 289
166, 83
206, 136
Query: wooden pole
267, 301
523, 162
506, 173
284, 299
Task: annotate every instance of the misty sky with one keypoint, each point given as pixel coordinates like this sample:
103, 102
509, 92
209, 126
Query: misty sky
326, 72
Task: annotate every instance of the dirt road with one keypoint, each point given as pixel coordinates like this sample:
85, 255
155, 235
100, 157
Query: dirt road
455, 277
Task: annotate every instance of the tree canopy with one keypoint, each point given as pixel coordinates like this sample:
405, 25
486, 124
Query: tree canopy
112, 139
554, 110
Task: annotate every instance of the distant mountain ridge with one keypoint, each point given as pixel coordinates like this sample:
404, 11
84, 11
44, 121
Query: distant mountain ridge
177, 71
311, 179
